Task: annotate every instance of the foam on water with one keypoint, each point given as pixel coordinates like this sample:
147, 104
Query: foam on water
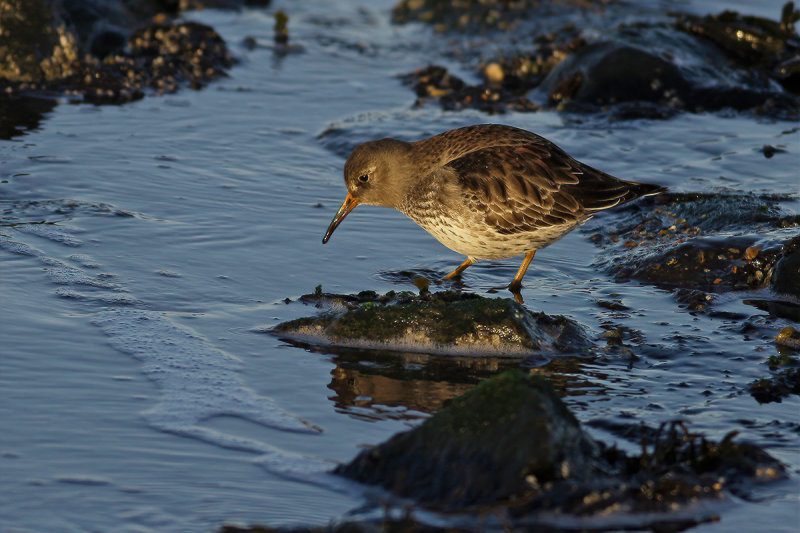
196, 380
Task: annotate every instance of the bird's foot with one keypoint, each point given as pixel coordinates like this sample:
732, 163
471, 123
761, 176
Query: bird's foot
514, 288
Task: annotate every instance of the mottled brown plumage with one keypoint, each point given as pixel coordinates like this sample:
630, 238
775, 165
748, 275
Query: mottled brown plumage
487, 191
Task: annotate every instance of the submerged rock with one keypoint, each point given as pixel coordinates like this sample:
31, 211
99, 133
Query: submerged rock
703, 242
784, 379
510, 444
442, 322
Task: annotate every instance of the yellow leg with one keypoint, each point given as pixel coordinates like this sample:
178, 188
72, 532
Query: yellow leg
461, 268
516, 283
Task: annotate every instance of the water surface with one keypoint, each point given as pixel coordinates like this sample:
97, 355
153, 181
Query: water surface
144, 247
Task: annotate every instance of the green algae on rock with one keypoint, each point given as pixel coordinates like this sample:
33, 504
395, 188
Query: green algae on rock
443, 322
511, 445
503, 438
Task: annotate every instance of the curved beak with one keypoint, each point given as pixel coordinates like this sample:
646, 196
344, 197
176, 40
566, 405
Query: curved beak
348, 205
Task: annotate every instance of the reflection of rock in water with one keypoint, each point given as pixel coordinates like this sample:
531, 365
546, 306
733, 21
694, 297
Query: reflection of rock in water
373, 396
20, 114
379, 385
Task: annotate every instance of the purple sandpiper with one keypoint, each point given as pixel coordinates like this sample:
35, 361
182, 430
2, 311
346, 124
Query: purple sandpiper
487, 191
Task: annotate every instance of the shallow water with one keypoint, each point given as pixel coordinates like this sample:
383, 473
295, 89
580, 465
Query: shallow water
144, 248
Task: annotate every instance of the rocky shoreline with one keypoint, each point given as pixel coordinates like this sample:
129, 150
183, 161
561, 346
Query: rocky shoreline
500, 441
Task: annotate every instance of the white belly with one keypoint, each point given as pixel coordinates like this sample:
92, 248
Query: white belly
475, 239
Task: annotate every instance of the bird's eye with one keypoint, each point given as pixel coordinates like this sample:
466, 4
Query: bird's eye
363, 178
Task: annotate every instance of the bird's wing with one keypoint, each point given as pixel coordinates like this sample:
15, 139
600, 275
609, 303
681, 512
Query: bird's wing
525, 186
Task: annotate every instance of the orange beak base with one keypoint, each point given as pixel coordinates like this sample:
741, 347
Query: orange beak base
348, 205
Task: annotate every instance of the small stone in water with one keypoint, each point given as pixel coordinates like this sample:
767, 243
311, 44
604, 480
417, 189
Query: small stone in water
789, 337
751, 253
494, 73
422, 284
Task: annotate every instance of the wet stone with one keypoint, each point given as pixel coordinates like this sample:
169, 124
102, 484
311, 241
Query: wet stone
725, 61
434, 83
89, 50
610, 72
784, 378
748, 40
478, 453
474, 15
703, 243
789, 337
786, 279
447, 322
478, 450
384, 525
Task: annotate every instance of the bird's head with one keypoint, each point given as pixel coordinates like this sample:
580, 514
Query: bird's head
376, 173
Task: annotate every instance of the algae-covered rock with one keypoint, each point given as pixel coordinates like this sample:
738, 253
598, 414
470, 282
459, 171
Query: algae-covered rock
505, 438
442, 322
511, 446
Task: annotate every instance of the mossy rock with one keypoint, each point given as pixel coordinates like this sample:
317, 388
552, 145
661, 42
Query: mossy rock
445, 322
502, 439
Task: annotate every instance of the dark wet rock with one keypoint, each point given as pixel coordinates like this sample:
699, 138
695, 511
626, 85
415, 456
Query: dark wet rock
35, 43
610, 72
769, 46
474, 14
477, 454
638, 69
778, 308
703, 243
21, 114
613, 72
776, 387
383, 525
162, 58
768, 150
784, 379
91, 50
434, 83
523, 71
789, 337
478, 451
786, 278
442, 322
